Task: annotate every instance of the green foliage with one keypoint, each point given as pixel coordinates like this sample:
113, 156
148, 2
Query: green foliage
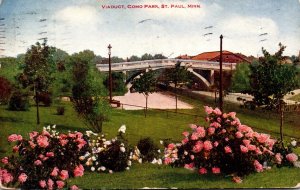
240, 79
134, 58
118, 84
270, 79
148, 149
145, 84
87, 91
11, 66
5, 90
18, 102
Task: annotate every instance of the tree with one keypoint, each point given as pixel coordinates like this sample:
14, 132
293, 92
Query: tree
118, 84
240, 79
5, 90
271, 79
146, 56
179, 75
134, 58
88, 92
145, 84
36, 74
159, 56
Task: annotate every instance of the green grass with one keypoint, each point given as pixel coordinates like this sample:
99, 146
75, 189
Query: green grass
157, 125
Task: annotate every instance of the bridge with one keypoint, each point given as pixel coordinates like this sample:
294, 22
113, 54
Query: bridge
155, 64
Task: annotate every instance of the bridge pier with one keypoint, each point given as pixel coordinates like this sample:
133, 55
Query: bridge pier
212, 77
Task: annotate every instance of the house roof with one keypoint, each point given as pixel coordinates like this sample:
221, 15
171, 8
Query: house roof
207, 56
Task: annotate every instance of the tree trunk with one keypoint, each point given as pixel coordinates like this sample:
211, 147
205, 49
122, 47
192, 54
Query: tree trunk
281, 121
146, 105
176, 96
37, 107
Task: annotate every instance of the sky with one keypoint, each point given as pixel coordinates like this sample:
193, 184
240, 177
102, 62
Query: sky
76, 25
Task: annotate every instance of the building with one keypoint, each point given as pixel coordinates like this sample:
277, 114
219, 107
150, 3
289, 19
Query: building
227, 56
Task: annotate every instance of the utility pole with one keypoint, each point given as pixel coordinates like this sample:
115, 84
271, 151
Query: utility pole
221, 76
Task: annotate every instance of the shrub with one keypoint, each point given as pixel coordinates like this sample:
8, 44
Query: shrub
44, 161
18, 102
148, 149
226, 146
60, 110
107, 155
5, 90
45, 98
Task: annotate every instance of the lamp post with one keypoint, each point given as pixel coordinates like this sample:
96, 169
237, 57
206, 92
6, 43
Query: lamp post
110, 77
221, 76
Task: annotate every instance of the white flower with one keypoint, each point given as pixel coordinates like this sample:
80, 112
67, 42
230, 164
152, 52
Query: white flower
297, 164
140, 161
81, 158
294, 143
158, 151
48, 127
102, 168
185, 153
122, 149
122, 144
161, 142
92, 169
94, 158
129, 163
54, 126
159, 161
99, 169
107, 143
99, 149
154, 161
96, 163
127, 168
110, 171
122, 129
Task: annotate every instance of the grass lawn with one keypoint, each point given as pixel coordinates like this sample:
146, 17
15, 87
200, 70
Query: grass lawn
157, 125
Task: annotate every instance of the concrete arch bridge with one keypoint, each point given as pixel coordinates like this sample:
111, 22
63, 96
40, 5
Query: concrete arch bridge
204, 70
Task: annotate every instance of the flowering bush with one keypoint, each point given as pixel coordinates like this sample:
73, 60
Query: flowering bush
107, 155
225, 146
45, 161
148, 149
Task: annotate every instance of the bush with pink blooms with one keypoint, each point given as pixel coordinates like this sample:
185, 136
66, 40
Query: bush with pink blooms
226, 146
45, 161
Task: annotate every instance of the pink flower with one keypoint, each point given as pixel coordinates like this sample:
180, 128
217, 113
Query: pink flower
258, 151
14, 137
246, 142
50, 154
42, 183
33, 134
198, 146
81, 143
60, 184
16, 148
216, 143
217, 111
223, 131
32, 145
292, 157
243, 149
192, 157
74, 187
6, 176
171, 146
63, 142
37, 163
64, 174
207, 145
50, 183
270, 143
185, 140
244, 129
79, 134
78, 171
22, 178
211, 130
215, 125
239, 135
216, 170
72, 135
278, 158
251, 147
227, 149
185, 133
237, 179
219, 119
167, 161
46, 133
194, 136
190, 166
226, 139
224, 115
4, 160
258, 167
54, 172
208, 110
232, 115
200, 131
42, 141
202, 171
193, 126
262, 138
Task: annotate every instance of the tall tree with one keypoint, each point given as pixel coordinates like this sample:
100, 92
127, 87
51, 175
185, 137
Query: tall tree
145, 84
179, 76
36, 73
271, 80
241, 78
88, 92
